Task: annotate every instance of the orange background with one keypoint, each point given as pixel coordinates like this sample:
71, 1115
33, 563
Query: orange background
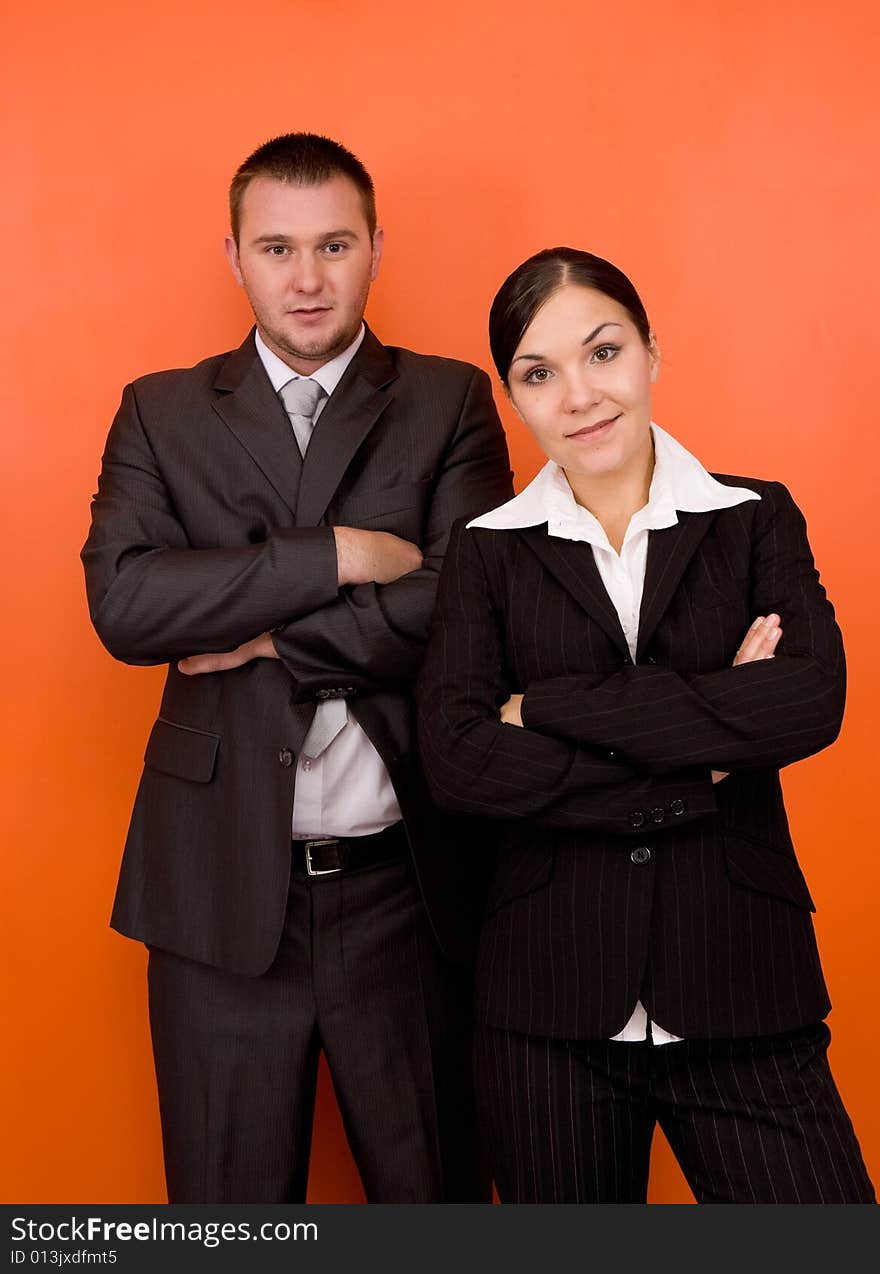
722, 154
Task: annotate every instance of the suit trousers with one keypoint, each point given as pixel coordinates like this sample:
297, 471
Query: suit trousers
359, 975
755, 1120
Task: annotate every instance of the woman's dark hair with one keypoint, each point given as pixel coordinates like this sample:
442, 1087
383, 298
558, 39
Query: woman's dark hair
523, 293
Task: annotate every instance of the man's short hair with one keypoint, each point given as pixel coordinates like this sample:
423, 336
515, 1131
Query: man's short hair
303, 159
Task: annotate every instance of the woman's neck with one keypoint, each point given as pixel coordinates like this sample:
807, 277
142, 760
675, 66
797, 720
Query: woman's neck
614, 498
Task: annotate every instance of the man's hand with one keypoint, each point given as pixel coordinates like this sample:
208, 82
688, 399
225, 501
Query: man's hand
760, 642
259, 648
373, 557
511, 712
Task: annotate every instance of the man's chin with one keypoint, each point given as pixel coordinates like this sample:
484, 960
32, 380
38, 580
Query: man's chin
319, 348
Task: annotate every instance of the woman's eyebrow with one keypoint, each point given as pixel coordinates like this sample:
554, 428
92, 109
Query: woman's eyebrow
537, 358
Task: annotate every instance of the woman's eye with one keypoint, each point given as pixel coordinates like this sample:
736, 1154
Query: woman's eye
605, 353
537, 376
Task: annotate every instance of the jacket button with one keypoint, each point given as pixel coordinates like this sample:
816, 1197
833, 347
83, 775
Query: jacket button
611, 754
349, 690
649, 659
657, 814
676, 807
285, 756
637, 819
640, 854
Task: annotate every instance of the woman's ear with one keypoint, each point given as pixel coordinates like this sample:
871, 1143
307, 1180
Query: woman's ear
505, 385
654, 356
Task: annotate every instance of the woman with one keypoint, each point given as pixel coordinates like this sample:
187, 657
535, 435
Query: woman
623, 657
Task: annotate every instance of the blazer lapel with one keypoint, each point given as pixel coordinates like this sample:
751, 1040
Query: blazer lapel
252, 410
578, 575
669, 552
351, 412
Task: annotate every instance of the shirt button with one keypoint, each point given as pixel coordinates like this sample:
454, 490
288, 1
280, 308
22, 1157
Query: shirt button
640, 854
677, 807
306, 765
657, 814
285, 756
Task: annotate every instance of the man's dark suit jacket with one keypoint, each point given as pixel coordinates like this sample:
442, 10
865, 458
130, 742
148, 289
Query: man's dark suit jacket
622, 871
208, 529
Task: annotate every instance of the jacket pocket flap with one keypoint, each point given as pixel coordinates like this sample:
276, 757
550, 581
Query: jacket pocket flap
182, 751
765, 868
518, 871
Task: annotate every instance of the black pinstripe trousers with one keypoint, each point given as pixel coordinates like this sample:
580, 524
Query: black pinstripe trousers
359, 975
755, 1120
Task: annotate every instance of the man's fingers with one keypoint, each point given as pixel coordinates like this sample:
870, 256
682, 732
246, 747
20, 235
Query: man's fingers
195, 664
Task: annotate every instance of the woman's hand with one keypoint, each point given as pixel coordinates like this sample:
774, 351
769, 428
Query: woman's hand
759, 643
511, 712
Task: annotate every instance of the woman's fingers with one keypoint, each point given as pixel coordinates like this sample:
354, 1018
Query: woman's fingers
760, 641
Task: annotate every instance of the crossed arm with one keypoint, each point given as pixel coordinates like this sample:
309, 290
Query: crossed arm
756, 713
594, 748
339, 601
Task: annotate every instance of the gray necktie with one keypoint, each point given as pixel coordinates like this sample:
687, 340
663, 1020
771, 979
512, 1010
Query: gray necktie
301, 398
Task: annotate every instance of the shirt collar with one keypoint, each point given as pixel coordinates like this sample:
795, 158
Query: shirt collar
328, 376
679, 482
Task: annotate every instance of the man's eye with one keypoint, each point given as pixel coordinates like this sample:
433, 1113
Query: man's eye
605, 353
537, 376
276, 250
334, 249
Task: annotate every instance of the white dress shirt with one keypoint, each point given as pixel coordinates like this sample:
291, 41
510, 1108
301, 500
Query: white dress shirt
679, 481
346, 791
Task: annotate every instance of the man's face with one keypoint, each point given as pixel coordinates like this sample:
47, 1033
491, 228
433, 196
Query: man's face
305, 259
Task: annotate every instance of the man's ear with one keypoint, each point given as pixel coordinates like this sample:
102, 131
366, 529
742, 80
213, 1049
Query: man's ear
232, 257
378, 245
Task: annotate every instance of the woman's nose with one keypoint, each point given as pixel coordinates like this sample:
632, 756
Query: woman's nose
581, 391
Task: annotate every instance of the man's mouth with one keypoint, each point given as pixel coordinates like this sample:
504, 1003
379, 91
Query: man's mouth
311, 315
590, 431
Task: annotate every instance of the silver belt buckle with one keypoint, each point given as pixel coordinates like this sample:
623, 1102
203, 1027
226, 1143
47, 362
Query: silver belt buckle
316, 844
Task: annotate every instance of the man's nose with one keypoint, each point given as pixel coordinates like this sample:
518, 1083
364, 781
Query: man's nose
307, 275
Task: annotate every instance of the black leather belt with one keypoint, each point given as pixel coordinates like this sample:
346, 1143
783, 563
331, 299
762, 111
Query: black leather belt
329, 855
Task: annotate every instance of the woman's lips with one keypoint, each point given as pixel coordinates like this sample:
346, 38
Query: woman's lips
590, 431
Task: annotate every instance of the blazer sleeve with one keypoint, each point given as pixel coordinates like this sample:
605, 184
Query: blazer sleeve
152, 597
763, 714
373, 635
475, 764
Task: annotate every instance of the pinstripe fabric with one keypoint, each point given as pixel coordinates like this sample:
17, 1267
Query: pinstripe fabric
750, 1121
712, 927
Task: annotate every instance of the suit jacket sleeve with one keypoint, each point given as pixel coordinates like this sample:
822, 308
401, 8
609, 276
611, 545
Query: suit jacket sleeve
154, 598
767, 713
373, 635
474, 764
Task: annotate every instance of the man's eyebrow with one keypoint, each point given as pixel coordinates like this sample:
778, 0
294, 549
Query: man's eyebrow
323, 238
537, 358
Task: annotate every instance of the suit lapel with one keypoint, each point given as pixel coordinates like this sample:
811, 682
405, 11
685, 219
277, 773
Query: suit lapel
579, 576
251, 409
669, 552
351, 412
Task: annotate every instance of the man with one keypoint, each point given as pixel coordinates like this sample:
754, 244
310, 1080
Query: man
270, 523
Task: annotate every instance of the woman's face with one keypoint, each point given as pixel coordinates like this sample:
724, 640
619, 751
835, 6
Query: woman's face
581, 380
